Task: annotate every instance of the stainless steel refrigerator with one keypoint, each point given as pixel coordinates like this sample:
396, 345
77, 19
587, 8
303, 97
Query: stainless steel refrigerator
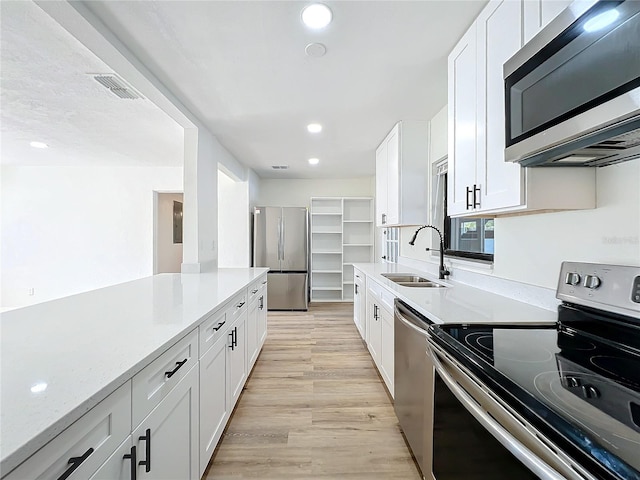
280, 239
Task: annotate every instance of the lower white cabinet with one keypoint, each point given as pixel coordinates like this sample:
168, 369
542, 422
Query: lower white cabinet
214, 404
262, 316
237, 346
122, 465
379, 333
252, 332
387, 349
359, 302
167, 440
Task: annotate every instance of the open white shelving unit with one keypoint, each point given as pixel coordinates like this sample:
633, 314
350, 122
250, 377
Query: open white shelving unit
342, 233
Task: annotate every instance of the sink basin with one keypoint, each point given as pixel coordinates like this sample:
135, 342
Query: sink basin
409, 280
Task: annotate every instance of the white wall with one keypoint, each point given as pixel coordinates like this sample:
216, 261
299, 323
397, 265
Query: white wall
67, 230
233, 222
530, 248
168, 254
298, 192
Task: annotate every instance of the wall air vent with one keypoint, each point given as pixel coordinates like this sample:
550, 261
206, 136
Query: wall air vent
280, 167
117, 86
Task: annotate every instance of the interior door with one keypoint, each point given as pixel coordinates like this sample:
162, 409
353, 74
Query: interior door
295, 239
266, 237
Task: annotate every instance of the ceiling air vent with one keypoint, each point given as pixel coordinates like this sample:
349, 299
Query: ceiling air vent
117, 86
279, 167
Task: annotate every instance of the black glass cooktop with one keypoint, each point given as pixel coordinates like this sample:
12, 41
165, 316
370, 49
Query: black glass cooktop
583, 387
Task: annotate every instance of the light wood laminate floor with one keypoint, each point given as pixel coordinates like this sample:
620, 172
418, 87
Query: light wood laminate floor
314, 407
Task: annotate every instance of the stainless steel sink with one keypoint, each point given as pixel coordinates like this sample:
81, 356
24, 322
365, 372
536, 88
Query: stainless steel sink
409, 280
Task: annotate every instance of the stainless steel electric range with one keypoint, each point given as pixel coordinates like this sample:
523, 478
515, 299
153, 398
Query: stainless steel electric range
562, 400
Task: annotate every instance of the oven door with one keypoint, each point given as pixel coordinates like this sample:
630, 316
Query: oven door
576, 86
477, 436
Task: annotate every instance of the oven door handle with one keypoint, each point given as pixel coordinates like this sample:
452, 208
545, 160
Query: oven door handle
520, 451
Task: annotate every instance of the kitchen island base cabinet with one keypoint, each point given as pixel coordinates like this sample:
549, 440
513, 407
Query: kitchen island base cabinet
214, 404
118, 466
237, 359
167, 440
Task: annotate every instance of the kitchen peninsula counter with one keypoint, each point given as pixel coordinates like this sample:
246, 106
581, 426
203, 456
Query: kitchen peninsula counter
61, 358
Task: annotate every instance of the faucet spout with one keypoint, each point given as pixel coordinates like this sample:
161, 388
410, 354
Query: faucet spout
442, 271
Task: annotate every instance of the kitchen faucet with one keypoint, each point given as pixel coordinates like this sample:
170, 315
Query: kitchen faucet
442, 272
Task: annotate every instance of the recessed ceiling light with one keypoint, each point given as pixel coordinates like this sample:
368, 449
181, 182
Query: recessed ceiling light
316, 16
38, 145
315, 50
38, 387
314, 161
314, 128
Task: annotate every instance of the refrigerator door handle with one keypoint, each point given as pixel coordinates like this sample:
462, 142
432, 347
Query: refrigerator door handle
279, 238
282, 243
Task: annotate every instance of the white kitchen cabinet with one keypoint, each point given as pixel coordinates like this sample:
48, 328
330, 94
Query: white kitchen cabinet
379, 313
438, 125
359, 302
538, 13
387, 349
480, 181
81, 449
342, 232
119, 465
374, 327
237, 368
402, 175
167, 440
262, 314
253, 347
214, 402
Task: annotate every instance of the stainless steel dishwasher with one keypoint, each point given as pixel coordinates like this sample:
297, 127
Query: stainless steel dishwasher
413, 373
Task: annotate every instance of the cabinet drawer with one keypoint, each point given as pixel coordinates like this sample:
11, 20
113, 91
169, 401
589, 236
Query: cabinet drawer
159, 377
253, 290
387, 299
94, 437
211, 330
236, 307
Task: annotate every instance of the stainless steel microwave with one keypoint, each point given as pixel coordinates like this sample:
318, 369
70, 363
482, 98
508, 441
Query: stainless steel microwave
572, 94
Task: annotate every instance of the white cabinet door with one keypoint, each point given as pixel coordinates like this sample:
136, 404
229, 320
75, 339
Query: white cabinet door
214, 407
262, 316
381, 184
119, 465
462, 94
167, 440
374, 329
359, 303
538, 13
387, 348
252, 333
498, 183
236, 349
393, 176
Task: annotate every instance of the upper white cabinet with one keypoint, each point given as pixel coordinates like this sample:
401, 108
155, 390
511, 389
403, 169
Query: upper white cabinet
538, 13
438, 136
480, 181
402, 161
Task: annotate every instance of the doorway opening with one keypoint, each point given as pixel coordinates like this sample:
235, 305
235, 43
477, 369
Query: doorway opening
167, 232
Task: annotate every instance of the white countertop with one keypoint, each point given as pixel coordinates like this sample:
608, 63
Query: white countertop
458, 303
85, 346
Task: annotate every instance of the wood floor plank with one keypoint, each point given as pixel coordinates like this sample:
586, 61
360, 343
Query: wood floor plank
314, 407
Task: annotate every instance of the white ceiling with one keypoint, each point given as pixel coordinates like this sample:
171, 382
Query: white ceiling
47, 95
241, 67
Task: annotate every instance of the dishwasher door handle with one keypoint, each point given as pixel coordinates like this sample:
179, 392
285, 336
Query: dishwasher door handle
407, 323
519, 450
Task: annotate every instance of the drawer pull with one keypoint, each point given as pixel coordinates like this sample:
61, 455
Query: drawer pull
264, 283
215, 329
240, 305
253, 292
134, 464
178, 365
75, 462
147, 438
232, 346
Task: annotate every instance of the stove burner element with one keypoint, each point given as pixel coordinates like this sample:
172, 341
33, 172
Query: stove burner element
623, 370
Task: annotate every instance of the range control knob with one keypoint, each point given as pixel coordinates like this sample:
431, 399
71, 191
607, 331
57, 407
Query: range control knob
589, 391
591, 281
572, 278
573, 382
